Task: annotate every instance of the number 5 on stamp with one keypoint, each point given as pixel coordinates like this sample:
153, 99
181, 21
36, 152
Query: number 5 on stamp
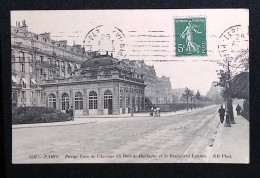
190, 36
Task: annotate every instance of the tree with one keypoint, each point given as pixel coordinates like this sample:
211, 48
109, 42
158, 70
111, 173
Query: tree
240, 90
225, 82
198, 95
240, 86
175, 99
186, 95
191, 98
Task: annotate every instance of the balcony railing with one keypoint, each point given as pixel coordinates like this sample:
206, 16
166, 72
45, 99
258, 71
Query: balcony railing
23, 100
18, 86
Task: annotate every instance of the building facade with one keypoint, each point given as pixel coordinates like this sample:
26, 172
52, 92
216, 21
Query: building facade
45, 70
36, 57
103, 85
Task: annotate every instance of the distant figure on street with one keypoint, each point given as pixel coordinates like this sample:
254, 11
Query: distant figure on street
221, 112
158, 111
151, 113
71, 114
238, 109
154, 111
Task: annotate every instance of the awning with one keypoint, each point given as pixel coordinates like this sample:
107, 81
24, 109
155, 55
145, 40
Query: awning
24, 80
14, 79
33, 81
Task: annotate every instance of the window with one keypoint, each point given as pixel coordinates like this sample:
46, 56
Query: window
50, 72
107, 74
41, 59
65, 101
126, 102
136, 101
78, 101
57, 63
62, 64
23, 82
121, 100
49, 61
52, 101
107, 95
93, 75
69, 67
23, 94
22, 67
92, 100
21, 56
31, 69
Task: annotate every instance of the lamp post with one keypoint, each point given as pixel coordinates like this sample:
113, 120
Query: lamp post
229, 99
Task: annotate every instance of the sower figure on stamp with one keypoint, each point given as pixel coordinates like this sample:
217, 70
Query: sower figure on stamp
189, 37
238, 109
71, 114
221, 112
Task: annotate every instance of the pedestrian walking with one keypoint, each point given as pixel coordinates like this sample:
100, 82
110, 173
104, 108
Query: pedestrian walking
71, 114
158, 111
151, 112
221, 112
238, 109
154, 111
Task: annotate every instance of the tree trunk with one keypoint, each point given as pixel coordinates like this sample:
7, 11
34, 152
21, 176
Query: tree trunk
187, 103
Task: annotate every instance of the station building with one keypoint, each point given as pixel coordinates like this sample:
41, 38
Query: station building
103, 85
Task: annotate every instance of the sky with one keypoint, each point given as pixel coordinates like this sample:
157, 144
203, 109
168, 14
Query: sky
141, 35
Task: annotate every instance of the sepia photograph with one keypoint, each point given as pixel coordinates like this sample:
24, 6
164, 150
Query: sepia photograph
130, 86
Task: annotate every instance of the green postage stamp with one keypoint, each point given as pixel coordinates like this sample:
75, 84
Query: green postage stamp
190, 36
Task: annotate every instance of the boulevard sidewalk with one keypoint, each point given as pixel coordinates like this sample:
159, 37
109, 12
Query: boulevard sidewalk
101, 118
231, 144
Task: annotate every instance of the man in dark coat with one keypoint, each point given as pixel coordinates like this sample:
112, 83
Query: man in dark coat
238, 109
221, 112
71, 114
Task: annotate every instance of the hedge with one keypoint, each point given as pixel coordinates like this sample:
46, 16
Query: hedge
34, 114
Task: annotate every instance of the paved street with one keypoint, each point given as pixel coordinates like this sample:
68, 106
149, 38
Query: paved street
177, 138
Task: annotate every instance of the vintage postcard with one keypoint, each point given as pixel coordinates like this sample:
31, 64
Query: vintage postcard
130, 86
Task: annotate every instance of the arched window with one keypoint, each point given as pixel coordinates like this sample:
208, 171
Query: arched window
92, 100
78, 101
57, 63
121, 100
65, 101
52, 101
107, 74
107, 95
69, 67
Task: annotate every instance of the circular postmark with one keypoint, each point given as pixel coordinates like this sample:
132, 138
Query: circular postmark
105, 39
233, 43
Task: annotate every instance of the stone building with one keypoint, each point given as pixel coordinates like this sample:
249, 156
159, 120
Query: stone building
103, 85
36, 57
40, 63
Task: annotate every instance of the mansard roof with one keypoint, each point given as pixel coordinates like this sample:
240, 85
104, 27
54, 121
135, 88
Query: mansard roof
98, 61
